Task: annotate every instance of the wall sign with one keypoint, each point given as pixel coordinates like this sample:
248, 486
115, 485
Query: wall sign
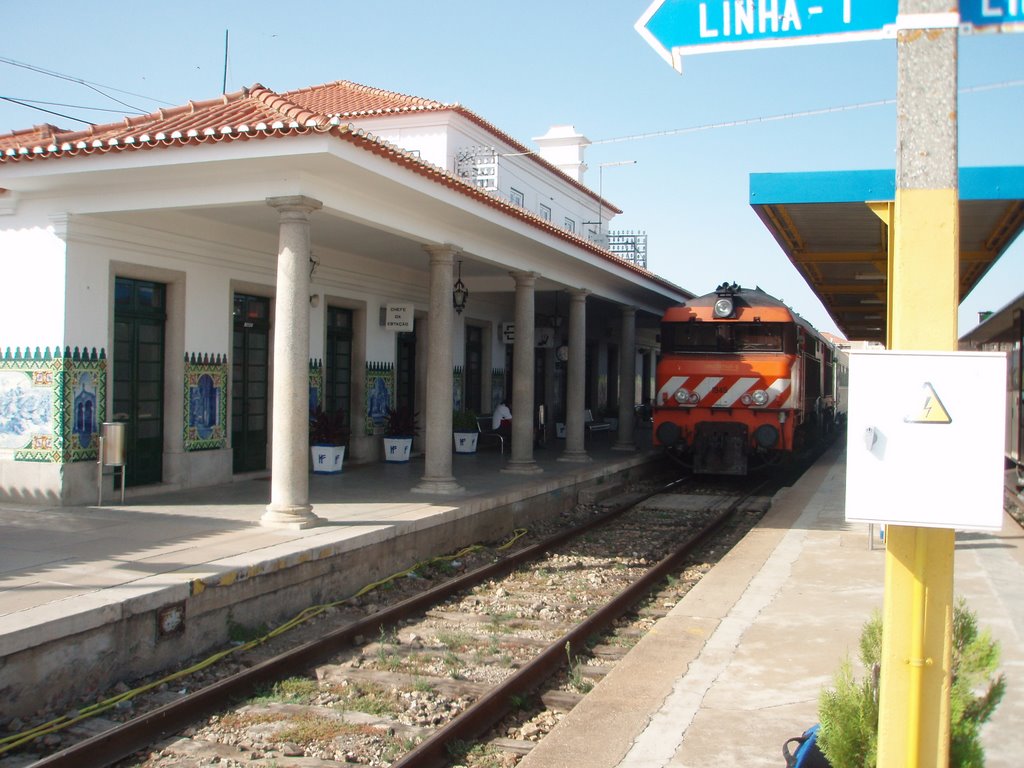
398, 317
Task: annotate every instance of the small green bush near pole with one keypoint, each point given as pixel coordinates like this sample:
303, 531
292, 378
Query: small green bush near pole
849, 711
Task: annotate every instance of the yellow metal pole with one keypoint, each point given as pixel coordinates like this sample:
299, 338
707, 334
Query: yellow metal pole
917, 659
923, 290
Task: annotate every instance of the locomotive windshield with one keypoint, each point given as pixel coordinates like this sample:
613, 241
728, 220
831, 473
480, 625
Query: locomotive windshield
721, 337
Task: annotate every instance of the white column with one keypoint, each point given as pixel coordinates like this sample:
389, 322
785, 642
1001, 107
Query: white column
438, 477
522, 377
627, 381
575, 383
289, 485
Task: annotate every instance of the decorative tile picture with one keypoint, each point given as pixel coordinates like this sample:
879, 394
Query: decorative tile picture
497, 387
205, 402
458, 378
51, 404
85, 404
316, 386
380, 392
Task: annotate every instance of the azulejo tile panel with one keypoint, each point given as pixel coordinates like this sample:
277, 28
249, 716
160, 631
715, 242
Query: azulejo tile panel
380, 395
51, 404
206, 410
85, 404
497, 387
458, 387
316, 386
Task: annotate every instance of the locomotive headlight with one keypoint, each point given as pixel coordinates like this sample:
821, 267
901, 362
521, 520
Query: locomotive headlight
759, 397
746, 399
682, 396
723, 307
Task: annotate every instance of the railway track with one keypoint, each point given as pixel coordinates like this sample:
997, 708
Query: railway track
471, 671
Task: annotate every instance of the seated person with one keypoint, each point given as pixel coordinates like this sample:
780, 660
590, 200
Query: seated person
501, 419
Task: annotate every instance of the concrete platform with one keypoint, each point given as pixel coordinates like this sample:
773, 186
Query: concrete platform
87, 593
736, 668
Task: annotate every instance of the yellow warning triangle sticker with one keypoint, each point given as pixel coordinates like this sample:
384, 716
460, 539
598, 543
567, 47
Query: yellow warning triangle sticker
932, 411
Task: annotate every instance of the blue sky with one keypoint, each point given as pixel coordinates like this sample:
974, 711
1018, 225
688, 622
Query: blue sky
528, 65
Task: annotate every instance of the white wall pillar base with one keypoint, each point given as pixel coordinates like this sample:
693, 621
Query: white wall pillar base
296, 518
438, 485
577, 457
523, 468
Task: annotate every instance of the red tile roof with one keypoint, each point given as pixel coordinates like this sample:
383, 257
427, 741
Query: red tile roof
259, 113
343, 98
320, 104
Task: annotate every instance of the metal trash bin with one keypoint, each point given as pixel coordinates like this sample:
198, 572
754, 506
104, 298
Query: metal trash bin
112, 433
112, 452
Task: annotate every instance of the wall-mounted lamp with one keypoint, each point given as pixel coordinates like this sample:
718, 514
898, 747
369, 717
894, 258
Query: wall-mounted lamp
460, 294
314, 300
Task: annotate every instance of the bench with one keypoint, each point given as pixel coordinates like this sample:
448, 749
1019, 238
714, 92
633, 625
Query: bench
594, 426
483, 426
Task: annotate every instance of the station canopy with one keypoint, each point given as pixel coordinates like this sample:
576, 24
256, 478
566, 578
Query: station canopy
832, 226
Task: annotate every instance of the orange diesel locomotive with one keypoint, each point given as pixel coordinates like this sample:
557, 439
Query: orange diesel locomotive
742, 381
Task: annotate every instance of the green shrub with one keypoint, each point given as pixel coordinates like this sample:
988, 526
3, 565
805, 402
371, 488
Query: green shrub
849, 712
464, 421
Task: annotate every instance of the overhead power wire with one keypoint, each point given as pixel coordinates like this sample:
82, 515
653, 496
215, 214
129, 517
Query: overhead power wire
98, 87
747, 121
21, 103
792, 115
21, 100
775, 118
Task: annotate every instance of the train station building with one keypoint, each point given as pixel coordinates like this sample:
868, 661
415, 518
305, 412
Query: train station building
213, 272
210, 274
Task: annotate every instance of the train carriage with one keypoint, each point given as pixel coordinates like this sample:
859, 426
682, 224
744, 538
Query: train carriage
743, 381
1003, 331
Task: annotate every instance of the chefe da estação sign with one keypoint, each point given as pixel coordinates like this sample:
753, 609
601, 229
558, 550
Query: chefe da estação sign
398, 317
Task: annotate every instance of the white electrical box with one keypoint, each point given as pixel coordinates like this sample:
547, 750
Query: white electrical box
925, 439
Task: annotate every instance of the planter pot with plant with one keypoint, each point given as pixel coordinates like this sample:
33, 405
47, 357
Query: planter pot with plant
327, 438
465, 431
399, 431
848, 734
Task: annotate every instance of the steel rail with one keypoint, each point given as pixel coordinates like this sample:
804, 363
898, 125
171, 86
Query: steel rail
488, 710
137, 734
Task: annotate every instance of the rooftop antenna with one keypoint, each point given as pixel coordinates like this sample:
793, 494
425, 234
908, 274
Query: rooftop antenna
224, 82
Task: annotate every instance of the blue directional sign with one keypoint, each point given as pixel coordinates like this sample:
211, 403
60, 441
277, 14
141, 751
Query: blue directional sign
992, 15
681, 27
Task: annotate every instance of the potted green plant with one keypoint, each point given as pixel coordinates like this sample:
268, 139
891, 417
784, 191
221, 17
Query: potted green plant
848, 735
328, 435
465, 431
399, 430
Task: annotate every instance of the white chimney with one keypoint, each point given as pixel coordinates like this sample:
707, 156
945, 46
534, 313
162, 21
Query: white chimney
563, 147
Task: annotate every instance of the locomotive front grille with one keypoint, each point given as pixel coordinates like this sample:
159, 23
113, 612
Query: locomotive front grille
720, 448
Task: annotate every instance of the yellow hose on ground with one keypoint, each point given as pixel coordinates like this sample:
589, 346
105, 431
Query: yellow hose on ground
7, 743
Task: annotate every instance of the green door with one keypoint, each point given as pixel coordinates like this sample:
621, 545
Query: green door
474, 369
338, 364
405, 373
250, 381
138, 376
